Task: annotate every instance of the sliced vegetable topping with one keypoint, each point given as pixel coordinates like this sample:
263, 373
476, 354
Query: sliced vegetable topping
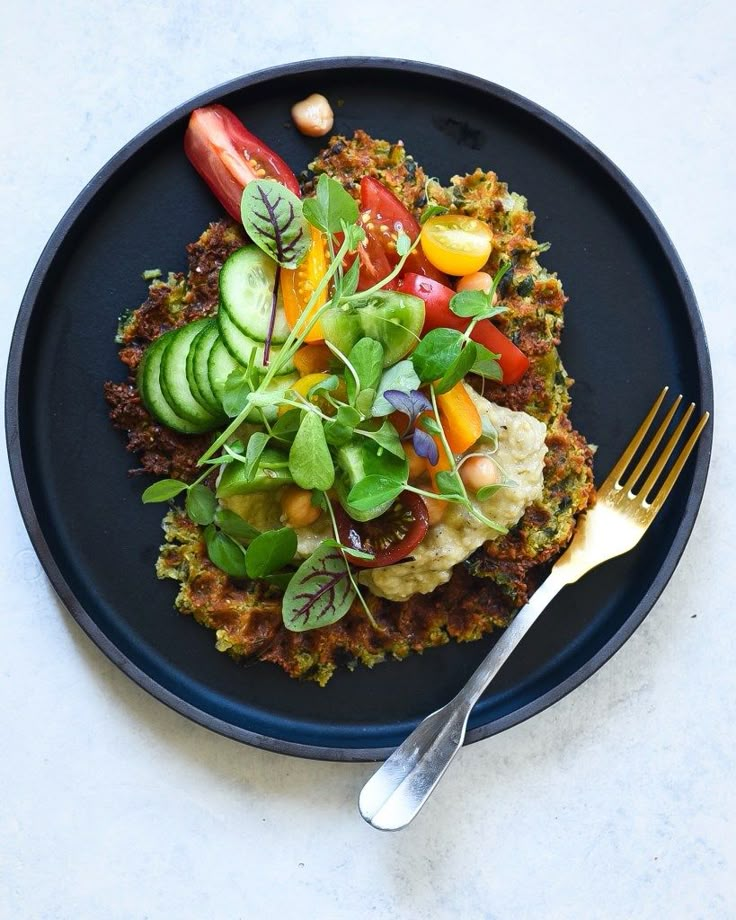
298, 286
388, 538
391, 318
349, 440
437, 297
457, 244
228, 156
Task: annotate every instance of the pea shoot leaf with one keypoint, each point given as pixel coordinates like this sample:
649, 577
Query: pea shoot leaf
354, 234
201, 504
488, 431
224, 552
331, 207
486, 364
387, 438
403, 243
273, 219
364, 402
328, 385
401, 376
235, 526
358, 553
458, 369
366, 356
255, 447
430, 424
286, 426
238, 389
487, 492
432, 210
310, 461
448, 483
469, 303
374, 490
337, 432
436, 352
163, 491
348, 416
350, 279
270, 551
320, 593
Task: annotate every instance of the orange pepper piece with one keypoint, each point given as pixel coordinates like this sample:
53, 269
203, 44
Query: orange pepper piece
459, 418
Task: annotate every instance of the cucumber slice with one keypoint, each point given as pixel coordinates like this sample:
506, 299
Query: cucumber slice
149, 386
220, 364
240, 345
197, 362
246, 289
174, 381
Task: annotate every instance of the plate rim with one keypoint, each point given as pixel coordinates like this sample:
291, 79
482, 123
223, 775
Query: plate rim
98, 181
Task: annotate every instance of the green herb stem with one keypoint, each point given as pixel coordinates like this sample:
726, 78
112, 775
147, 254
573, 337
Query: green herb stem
292, 344
359, 295
356, 588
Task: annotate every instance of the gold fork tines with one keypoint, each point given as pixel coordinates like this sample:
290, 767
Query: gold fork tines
666, 486
624, 510
615, 482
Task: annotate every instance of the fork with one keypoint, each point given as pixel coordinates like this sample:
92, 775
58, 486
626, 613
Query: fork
393, 796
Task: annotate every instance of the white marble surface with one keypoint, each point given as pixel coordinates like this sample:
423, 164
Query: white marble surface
616, 803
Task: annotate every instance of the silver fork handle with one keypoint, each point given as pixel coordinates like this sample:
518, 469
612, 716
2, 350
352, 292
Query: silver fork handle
395, 793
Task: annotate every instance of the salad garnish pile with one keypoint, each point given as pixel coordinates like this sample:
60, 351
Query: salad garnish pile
334, 372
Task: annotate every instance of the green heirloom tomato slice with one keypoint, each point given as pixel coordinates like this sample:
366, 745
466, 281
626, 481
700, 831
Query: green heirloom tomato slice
392, 318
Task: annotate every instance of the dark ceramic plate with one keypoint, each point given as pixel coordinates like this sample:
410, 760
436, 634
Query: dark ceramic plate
632, 326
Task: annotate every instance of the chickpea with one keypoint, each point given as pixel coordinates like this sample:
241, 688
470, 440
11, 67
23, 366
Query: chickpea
417, 465
435, 509
478, 281
297, 507
478, 472
313, 116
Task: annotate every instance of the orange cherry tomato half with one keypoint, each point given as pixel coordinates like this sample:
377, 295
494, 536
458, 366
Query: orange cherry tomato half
457, 244
298, 284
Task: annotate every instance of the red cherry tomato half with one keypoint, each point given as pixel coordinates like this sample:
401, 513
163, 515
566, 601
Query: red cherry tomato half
228, 156
437, 297
387, 211
390, 537
382, 216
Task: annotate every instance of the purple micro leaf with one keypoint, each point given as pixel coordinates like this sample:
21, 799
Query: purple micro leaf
425, 446
412, 403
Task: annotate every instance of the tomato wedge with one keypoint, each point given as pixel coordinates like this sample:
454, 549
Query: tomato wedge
437, 297
298, 284
390, 537
386, 211
228, 156
382, 217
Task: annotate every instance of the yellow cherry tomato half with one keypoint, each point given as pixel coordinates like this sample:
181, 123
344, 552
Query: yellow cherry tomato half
298, 284
457, 244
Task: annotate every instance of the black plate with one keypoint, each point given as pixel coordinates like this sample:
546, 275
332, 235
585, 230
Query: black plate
632, 326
